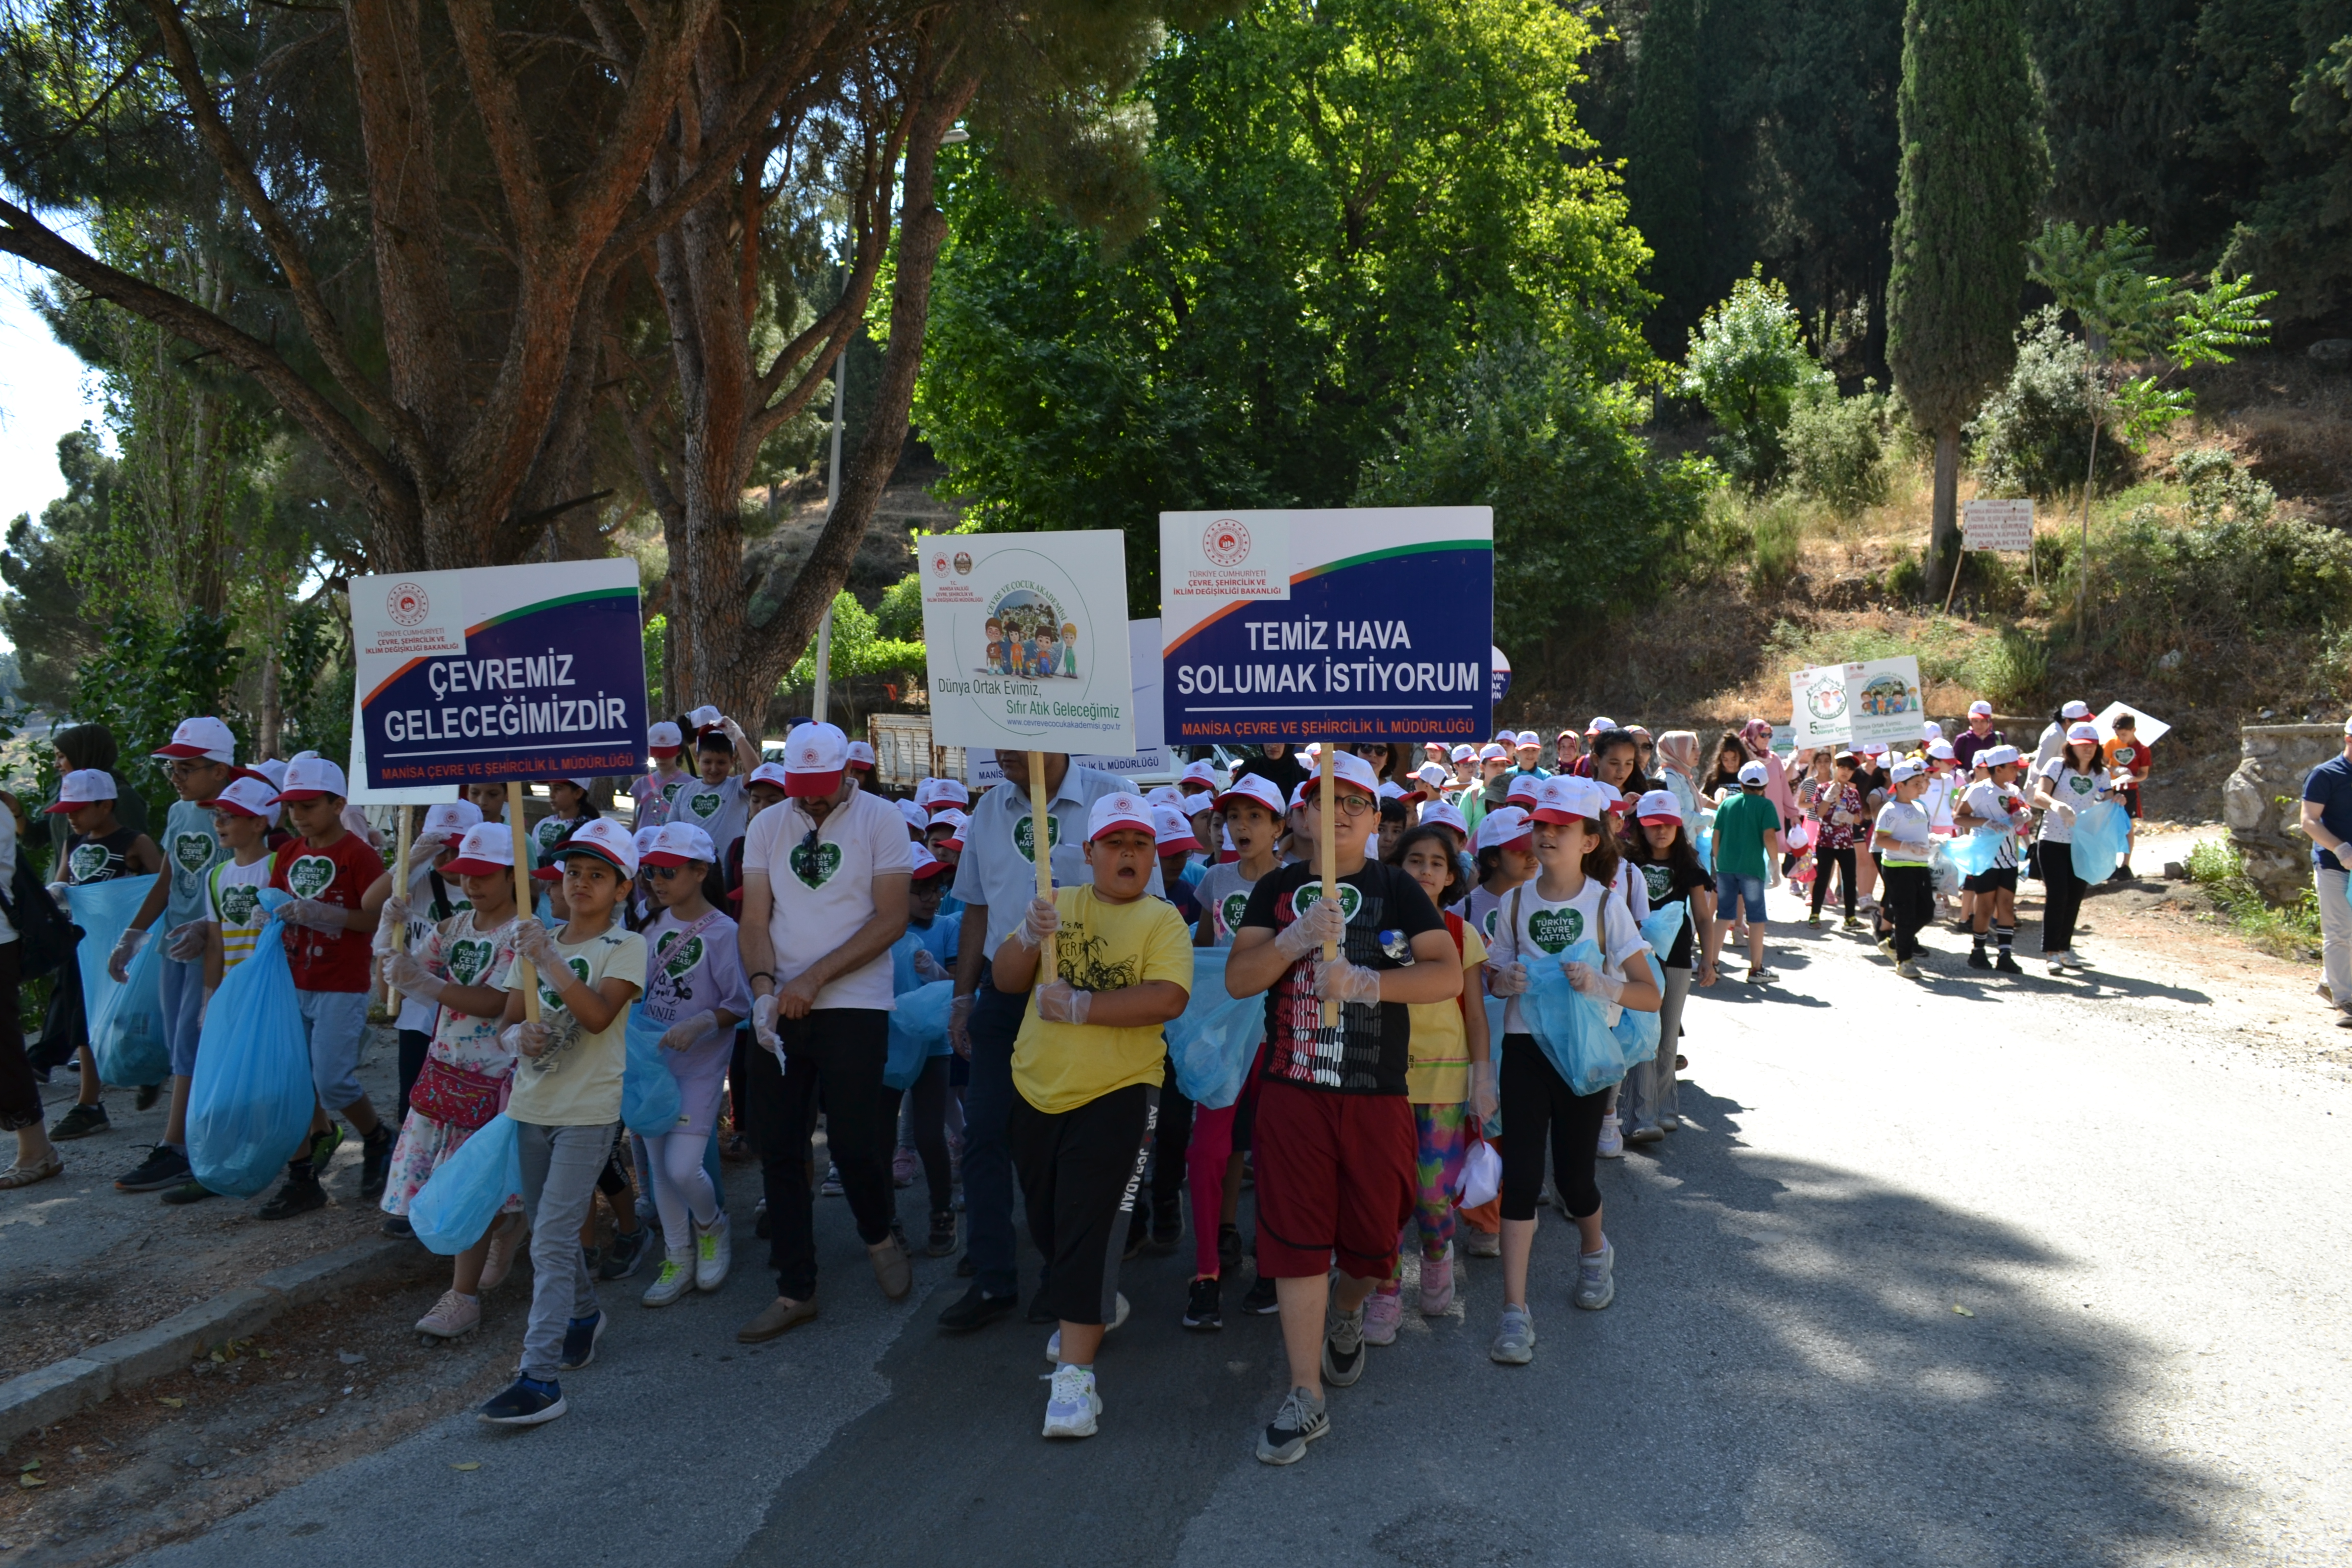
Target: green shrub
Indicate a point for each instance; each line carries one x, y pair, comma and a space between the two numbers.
2011, 669
2032, 436
2216, 869
1837, 446
2159, 581
1907, 578
1747, 363
2219, 488
1776, 541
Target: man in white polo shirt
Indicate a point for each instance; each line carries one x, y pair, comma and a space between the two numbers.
995, 878
826, 875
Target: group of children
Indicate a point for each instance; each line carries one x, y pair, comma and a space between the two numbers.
1461, 873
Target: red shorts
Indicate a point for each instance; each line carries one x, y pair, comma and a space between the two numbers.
1335, 1177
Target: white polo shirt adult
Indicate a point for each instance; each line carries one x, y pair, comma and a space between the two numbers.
997, 869
822, 876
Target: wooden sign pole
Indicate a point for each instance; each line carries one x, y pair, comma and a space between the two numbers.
522, 893
1041, 842
1327, 856
399, 890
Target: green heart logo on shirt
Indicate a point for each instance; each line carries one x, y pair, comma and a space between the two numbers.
1491, 925
1351, 899
1231, 910
238, 901
87, 862
470, 959
191, 852
1025, 836
548, 831
1660, 880
2079, 785
550, 1000
309, 876
705, 803
1555, 930
815, 864
689, 953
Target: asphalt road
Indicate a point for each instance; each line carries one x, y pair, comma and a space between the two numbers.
2141, 1207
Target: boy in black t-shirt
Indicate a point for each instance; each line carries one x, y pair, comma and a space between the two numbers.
1335, 1144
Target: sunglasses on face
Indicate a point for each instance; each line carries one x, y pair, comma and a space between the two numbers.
663, 873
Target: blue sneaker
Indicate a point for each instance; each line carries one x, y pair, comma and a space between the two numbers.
580, 1339
525, 1404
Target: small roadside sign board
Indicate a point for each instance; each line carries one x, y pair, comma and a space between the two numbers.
497, 675
1026, 638
1997, 525
1359, 622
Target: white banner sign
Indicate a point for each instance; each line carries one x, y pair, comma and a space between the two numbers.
1024, 637
2147, 726
1997, 525
1856, 704
1152, 759
1817, 699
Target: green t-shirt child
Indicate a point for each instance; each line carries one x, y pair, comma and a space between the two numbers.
1741, 825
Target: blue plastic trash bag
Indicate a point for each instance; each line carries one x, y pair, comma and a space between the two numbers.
125, 1021
1216, 1037
1637, 1032
1571, 1027
1664, 924
1943, 871
1975, 852
650, 1106
1705, 847
918, 1024
2102, 835
455, 1207
249, 1103
1495, 1015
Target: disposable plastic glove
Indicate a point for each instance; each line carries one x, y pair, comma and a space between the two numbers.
404, 974
2065, 810
126, 948
960, 1024
1063, 1003
61, 894
1510, 980
535, 947
1483, 1103
1601, 987
390, 922
764, 1024
1323, 921
1042, 922
527, 1039
316, 913
928, 968
1340, 981
185, 942
687, 1030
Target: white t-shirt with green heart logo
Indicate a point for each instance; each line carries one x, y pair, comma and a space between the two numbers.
822, 880
2081, 791
461, 952
1535, 929
1224, 893
190, 852
695, 966
721, 810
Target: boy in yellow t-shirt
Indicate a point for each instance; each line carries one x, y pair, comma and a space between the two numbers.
1086, 1067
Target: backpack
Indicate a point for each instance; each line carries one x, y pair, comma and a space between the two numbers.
44, 938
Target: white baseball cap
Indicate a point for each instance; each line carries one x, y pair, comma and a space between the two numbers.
706, 718
1299, 794
1658, 806
772, 774
1347, 768
914, 815
643, 838
1941, 751
663, 740
2002, 756
309, 777
946, 793
1434, 776
1979, 706
1905, 772
1465, 752
1527, 738
1202, 773
2076, 709
1503, 828
1252, 786
1565, 797
1599, 724
1492, 752
1115, 812
1439, 814
451, 818
1933, 730
606, 840
815, 758
273, 770
925, 863
1163, 795
201, 738
1522, 788
83, 786
861, 756
951, 817
486, 851
1752, 774
244, 797
675, 843
2082, 733
1391, 790
1169, 826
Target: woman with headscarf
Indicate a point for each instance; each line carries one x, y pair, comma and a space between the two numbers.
1677, 755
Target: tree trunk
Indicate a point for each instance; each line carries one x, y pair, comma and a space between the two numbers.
1944, 533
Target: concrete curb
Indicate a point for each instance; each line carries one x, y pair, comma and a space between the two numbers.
64, 1388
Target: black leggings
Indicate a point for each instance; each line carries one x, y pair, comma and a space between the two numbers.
1908, 897
1534, 1097
2061, 897
1169, 1141
931, 1127
1844, 860
414, 1044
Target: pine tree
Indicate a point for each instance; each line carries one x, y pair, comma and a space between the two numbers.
1974, 169
1662, 174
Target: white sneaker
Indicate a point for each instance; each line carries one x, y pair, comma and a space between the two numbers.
1612, 1140
676, 1279
2072, 960
1596, 1283
1054, 1345
714, 1253
1072, 1407
1515, 1340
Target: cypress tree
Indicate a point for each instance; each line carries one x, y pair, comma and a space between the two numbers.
1974, 169
1662, 173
